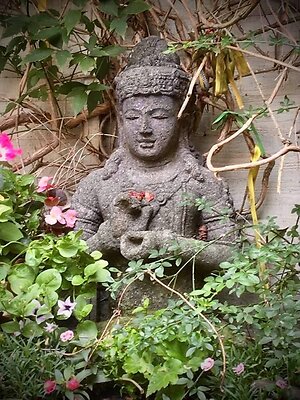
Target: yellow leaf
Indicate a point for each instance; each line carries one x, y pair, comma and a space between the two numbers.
221, 85
42, 5
240, 62
230, 66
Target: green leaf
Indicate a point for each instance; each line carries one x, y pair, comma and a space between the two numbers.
4, 209
71, 19
87, 64
9, 232
119, 25
96, 255
37, 55
94, 97
47, 33
50, 278
164, 375
15, 25
10, 327
78, 101
62, 56
109, 7
102, 67
87, 331
136, 7
4, 269
21, 277
91, 269
32, 329
59, 377
80, 3
77, 280
111, 51
67, 87
67, 250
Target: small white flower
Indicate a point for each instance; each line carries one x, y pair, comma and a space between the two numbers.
66, 307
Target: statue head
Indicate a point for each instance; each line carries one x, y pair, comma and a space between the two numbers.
150, 91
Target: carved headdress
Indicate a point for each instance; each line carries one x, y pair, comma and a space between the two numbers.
151, 71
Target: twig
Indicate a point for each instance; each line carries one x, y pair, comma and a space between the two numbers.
234, 167
191, 87
270, 59
234, 20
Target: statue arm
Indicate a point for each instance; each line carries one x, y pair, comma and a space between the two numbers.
208, 254
95, 231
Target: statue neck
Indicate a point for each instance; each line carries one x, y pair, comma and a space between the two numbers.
153, 172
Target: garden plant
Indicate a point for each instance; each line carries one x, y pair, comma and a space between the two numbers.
237, 337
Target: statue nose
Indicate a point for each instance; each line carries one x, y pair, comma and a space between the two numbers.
145, 127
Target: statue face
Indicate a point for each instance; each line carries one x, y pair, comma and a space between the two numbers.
150, 126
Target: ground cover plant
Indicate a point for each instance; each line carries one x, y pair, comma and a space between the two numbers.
201, 346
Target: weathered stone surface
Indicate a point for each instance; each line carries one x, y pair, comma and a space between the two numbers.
144, 197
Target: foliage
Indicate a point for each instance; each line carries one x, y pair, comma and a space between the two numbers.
25, 365
47, 37
20, 211
162, 352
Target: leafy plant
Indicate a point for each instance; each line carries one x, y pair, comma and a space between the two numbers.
25, 365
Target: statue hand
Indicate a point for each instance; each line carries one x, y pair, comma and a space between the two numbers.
129, 213
138, 244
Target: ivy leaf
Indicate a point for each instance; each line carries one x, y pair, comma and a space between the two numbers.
62, 56
46, 33
102, 67
71, 19
86, 64
119, 25
37, 55
109, 7
78, 101
137, 6
111, 51
93, 99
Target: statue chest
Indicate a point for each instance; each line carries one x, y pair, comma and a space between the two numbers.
172, 204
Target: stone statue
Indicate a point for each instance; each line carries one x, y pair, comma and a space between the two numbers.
144, 198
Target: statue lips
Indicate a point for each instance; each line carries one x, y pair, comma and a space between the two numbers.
147, 143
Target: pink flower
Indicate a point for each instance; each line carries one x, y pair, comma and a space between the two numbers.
56, 215
49, 386
66, 307
50, 327
70, 216
72, 384
7, 150
281, 383
207, 364
239, 369
66, 336
43, 184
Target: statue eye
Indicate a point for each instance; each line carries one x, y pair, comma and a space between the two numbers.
160, 116
131, 116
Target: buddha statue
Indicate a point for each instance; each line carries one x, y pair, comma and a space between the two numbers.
145, 197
